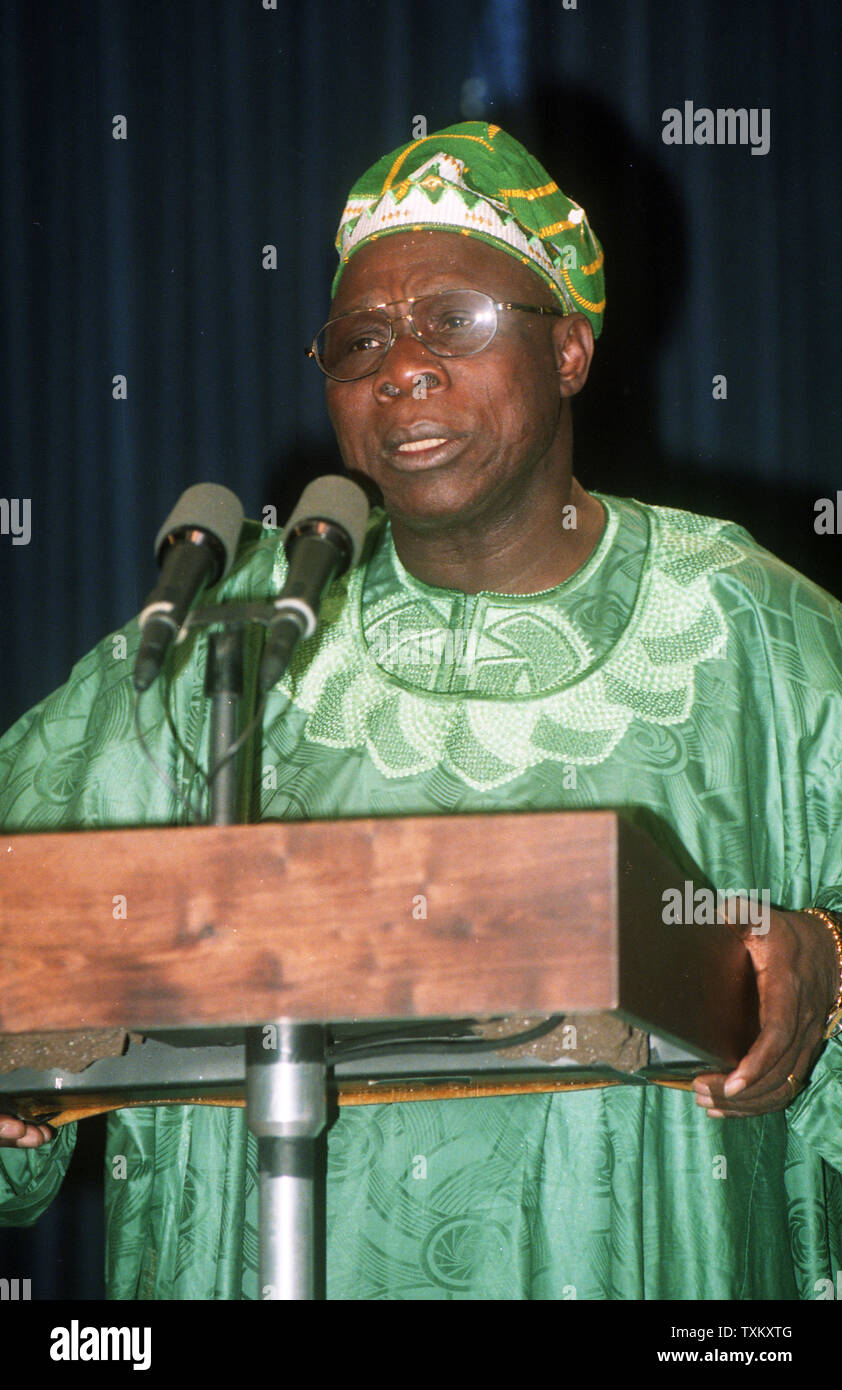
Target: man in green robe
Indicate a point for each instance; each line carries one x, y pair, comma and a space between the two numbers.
507, 641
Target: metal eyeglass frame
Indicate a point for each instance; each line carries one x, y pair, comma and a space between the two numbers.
398, 318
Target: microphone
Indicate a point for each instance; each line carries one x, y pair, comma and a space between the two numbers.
322, 539
194, 547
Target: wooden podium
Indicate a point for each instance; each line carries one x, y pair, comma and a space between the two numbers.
351, 921
431, 917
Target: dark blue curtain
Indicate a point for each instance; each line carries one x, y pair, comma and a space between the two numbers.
245, 124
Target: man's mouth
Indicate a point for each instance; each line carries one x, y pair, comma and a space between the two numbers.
423, 447
422, 444
417, 446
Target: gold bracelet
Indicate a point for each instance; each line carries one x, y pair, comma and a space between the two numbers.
831, 921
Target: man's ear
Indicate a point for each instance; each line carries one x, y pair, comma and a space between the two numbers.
574, 345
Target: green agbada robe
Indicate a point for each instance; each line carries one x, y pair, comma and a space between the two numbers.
684, 675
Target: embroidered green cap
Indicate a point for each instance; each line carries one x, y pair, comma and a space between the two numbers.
475, 179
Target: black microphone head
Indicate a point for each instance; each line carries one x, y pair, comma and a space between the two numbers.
337, 500
206, 507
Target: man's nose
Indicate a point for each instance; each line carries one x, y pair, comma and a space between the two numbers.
409, 367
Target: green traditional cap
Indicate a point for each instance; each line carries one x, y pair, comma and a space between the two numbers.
475, 179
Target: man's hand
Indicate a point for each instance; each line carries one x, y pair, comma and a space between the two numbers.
17, 1134
797, 981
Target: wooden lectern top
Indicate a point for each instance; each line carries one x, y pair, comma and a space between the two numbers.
429, 917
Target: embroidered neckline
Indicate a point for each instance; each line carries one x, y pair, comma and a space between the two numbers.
556, 698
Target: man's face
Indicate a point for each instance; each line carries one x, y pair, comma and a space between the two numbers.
499, 412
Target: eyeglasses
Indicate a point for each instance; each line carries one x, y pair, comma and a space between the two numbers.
452, 323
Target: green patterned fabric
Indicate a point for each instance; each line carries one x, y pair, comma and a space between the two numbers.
516, 679
682, 674
475, 179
